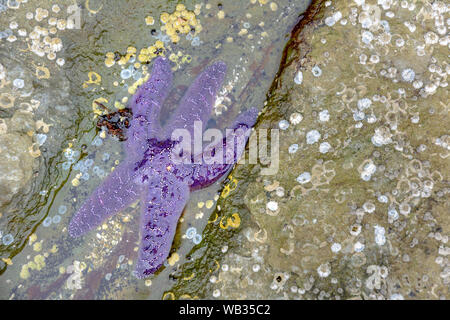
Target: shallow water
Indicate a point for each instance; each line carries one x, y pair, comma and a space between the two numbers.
56, 60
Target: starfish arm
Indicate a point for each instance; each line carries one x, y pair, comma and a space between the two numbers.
198, 101
146, 106
204, 174
161, 206
116, 192
246, 119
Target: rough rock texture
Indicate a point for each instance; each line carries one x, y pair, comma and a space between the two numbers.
63, 87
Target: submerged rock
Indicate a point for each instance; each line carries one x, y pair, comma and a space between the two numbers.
74, 68
16, 161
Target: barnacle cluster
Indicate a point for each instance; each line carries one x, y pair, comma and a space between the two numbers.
40, 33
181, 21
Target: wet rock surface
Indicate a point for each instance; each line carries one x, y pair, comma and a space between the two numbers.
359, 206
16, 162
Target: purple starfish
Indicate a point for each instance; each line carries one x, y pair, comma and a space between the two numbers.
152, 170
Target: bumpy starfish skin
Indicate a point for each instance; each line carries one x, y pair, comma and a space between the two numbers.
150, 171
